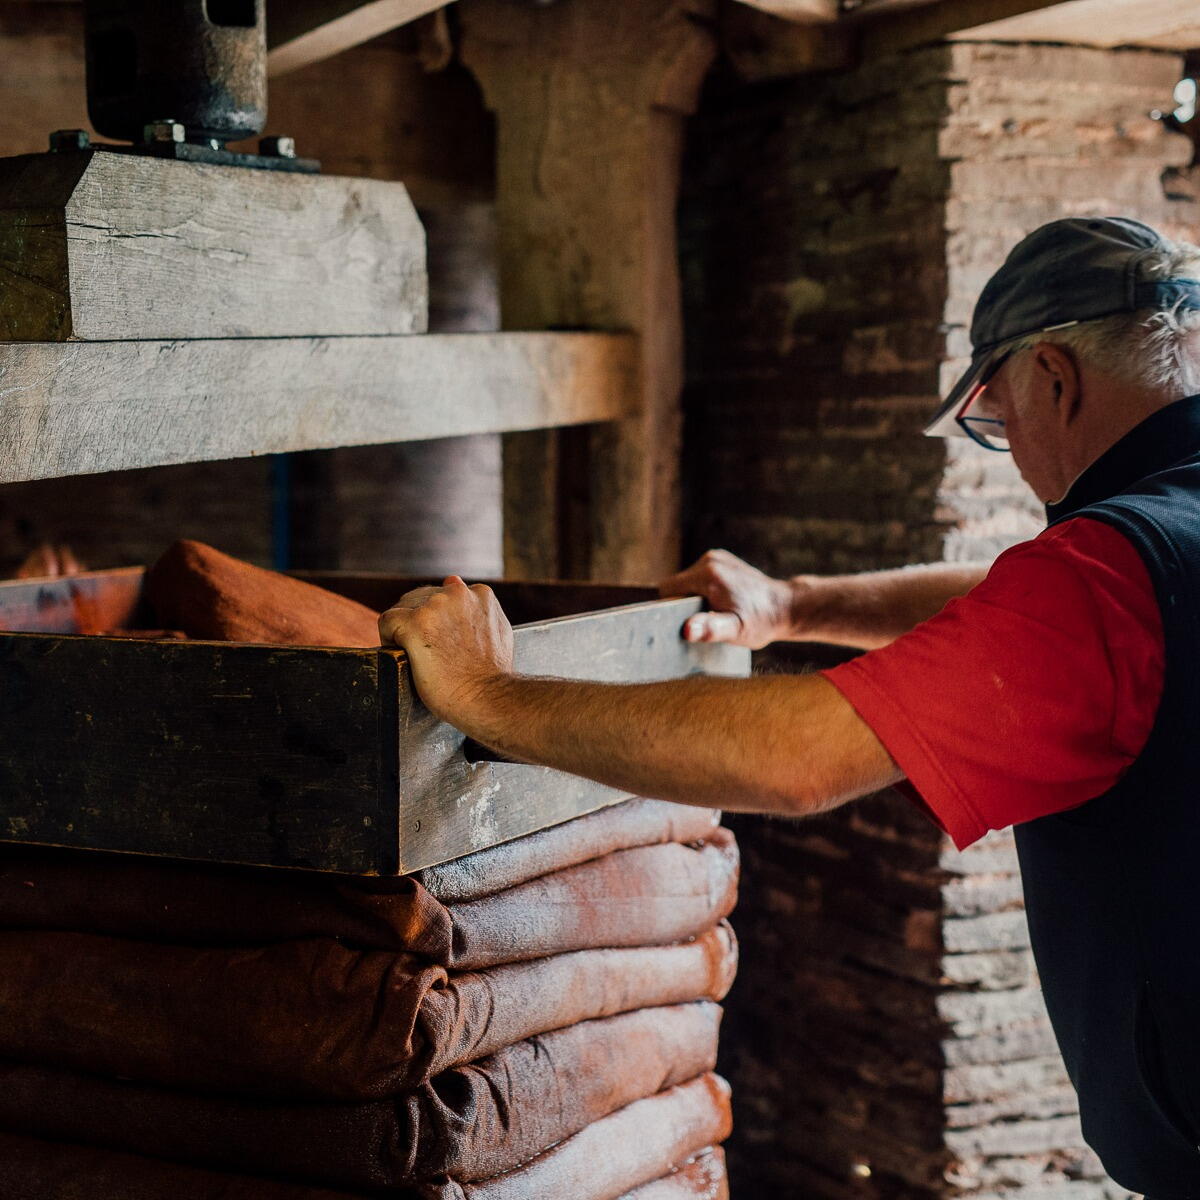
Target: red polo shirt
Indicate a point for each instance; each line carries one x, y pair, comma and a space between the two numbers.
1028, 696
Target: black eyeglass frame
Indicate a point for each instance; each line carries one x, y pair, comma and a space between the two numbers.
964, 422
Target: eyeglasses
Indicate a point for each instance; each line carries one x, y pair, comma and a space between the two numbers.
979, 415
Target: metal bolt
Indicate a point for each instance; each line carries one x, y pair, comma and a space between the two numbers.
164, 131
69, 139
277, 147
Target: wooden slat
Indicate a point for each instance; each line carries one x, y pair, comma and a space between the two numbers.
300, 32
804, 11
77, 408
93, 602
1166, 24
455, 807
254, 754
288, 756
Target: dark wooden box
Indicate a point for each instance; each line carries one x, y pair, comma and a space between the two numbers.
289, 756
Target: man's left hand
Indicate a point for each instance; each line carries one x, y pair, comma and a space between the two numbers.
459, 643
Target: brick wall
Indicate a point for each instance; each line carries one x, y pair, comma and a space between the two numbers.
887, 1038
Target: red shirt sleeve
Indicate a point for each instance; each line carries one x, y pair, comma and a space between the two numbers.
1028, 696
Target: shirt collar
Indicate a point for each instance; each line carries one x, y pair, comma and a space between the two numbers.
1163, 439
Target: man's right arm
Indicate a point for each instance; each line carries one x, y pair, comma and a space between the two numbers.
865, 611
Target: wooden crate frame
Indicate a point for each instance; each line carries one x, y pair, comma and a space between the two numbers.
314, 758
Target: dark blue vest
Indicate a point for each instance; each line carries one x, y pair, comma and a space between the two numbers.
1113, 887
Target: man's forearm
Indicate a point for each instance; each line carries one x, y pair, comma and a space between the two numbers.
774, 745
873, 609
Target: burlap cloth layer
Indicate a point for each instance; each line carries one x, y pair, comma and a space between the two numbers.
703, 1178
470, 1123
312, 1020
619, 1153
622, 826
647, 896
610, 1159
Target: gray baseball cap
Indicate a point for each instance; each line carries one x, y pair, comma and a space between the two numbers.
1067, 272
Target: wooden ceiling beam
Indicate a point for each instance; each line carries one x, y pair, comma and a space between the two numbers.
805, 12
1166, 24
762, 46
300, 32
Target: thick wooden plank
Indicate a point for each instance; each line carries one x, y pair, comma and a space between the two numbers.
197, 750
454, 807
98, 246
91, 603
76, 408
300, 32
762, 45
285, 756
885, 31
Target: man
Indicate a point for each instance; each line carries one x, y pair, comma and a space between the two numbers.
1058, 692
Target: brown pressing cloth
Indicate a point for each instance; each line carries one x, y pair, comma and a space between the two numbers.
470, 1123
649, 896
620, 827
637, 1145
37, 1170
603, 1162
209, 595
312, 1019
703, 1178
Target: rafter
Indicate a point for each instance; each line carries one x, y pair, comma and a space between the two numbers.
300, 32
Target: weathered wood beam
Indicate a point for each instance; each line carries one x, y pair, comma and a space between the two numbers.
96, 246
1166, 24
590, 100
300, 32
75, 408
761, 45
805, 11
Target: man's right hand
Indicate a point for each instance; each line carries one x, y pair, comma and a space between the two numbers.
748, 608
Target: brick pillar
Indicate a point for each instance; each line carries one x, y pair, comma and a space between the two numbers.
887, 1037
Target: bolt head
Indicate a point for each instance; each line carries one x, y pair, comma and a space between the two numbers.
69, 139
277, 147
164, 131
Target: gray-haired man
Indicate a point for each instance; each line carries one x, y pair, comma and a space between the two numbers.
1058, 691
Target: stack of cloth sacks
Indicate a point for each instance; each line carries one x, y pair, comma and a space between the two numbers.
536, 1020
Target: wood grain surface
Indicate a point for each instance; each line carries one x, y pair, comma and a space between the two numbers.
97, 246
78, 408
323, 759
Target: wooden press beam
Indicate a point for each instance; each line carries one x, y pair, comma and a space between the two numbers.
75, 408
804, 11
300, 32
590, 98
762, 46
1169, 24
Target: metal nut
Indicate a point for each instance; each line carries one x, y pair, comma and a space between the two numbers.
277, 147
164, 131
69, 139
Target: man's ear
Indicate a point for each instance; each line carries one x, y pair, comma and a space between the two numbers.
1056, 372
